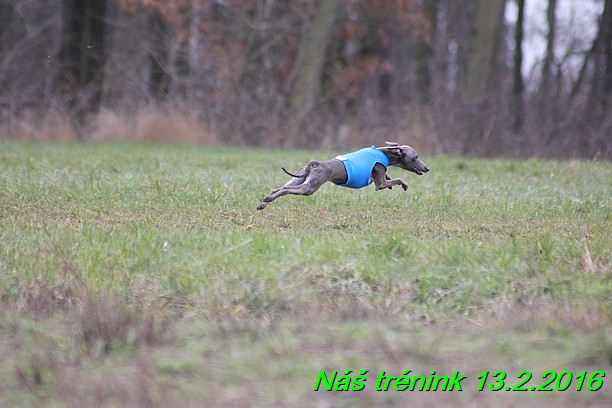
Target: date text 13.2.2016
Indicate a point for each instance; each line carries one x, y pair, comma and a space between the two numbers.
548, 381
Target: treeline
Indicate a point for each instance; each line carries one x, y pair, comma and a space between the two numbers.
446, 76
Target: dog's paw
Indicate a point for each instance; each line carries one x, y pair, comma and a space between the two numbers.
405, 187
261, 206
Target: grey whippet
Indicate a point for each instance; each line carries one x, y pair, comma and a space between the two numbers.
354, 170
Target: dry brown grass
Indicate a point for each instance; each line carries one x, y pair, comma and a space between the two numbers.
413, 126
51, 125
153, 125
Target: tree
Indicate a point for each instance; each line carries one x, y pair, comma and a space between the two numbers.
481, 68
518, 86
311, 72
481, 74
425, 51
601, 88
547, 67
83, 54
311, 61
591, 95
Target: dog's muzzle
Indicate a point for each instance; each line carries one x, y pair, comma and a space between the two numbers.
420, 172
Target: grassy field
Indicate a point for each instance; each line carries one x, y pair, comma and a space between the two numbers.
142, 275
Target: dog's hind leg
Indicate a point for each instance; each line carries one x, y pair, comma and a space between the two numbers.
316, 176
307, 188
296, 180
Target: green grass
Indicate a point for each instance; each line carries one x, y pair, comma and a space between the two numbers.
146, 273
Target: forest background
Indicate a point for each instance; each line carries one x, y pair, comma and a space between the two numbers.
461, 77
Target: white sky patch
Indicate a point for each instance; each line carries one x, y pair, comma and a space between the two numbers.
577, 23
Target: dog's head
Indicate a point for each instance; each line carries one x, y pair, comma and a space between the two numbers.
405, 157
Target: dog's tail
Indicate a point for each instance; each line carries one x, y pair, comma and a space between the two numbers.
300, 175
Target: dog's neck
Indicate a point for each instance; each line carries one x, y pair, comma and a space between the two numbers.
391, 155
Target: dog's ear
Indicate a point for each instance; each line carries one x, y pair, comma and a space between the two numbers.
398, 151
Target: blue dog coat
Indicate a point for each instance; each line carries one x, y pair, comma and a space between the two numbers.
359, 166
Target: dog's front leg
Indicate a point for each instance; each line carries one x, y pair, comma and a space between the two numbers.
382, 180
390, 183
398, 182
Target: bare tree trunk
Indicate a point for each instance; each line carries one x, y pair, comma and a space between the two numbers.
482, 68
159, 80
83, 55
587, 126
606, 24
518, 86
597, 109
547, 73
482, 56
424, 53
601, 90
6, 14
127, 68
308, 80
